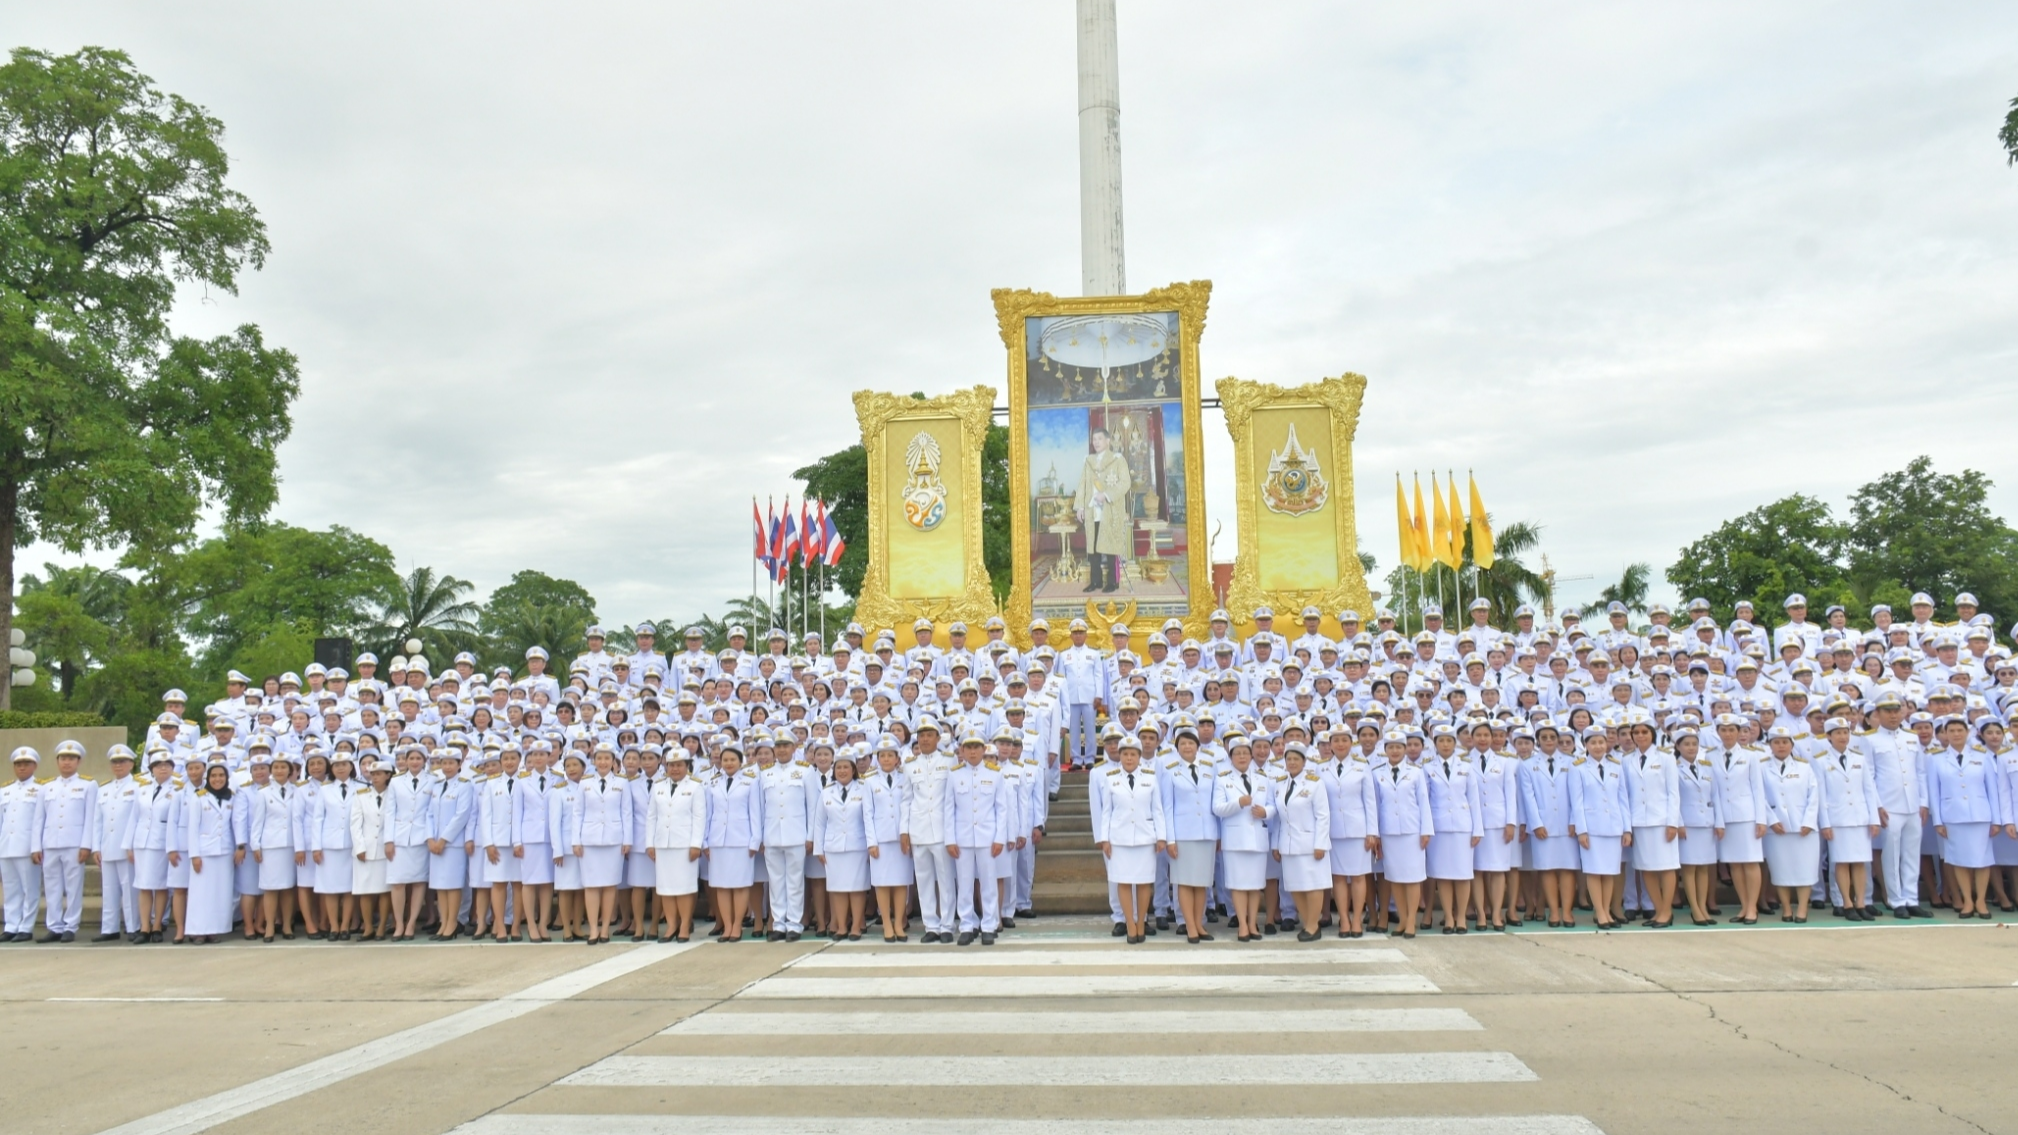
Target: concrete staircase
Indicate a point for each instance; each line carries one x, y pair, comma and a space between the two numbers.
1071, 874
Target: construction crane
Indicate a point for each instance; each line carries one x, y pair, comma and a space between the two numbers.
1549, 581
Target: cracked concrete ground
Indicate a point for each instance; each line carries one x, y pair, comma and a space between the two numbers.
1885, 1028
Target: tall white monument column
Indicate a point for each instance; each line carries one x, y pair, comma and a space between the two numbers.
1100, 260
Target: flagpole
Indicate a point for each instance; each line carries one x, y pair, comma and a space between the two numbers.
753, 559
771, 577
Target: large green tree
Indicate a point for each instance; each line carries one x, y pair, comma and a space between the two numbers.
1926, 531
431, 606
2009, 135
535, 609
257, 592
114, 430
1793, 544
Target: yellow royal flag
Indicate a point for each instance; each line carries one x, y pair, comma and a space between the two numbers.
1404, 533
1481, 528
1439, 532
1420, 527
1456, 529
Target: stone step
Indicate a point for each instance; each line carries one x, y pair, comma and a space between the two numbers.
1069, 898
1071, 866
1056, 839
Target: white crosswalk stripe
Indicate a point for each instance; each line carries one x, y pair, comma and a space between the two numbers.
1066, 1071
880, 1125
1132, 959
786, 987
721, 1023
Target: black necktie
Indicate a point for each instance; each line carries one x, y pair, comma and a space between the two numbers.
157, 792
1194, 773
1131, 781
890, 778
844, 794
1446, 768
1245, 784
604, 785
508, 786
1643, 760
1552, 765
1397, 773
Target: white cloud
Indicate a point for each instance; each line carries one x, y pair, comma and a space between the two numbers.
570, 285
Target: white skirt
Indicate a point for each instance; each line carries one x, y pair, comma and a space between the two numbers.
1494, 853
536, 866
505, 870
1246, 870
1851, 844
732, 867
1134, 865
639, 870
1450, 855
276, 868
1194, 863
333, 874
1349, 857
150, 869
1653, 851
1603, 857
847, 871
891, 867
1302, 873
568, 873
368, 877
247, 876
1402, 858
1556, 853
304, 872
674, 873
1794, 860
1741, 844
1699, 847
449, 870
2003, 846
210, 892
1967, 845
178, 874
602, 866
408, 865
814, 868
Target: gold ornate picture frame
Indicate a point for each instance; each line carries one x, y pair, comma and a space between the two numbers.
924, 458
1299, 542
1131, 547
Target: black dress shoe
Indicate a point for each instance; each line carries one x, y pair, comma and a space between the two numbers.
1268, 928
1308, 936
1920, 911
793, 935
930, 937
1120, 930
70, 935
107, 938
966, 938
1163, 922
775, 936
987, 938
1008, 924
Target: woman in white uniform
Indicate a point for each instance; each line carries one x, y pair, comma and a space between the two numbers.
1849, 814
306, 803
1793, 843
272, 844
842, 839
1302, 837
1740, 771
1702, 823
1245, 804
645, 767
564, 839
154, 810
679, 837
1355, 829
367, 842
1498, 851
1127, 828
1964, 800
735, 839
1545, 808
449, 842
538, 797
603, 836
1454, 802
891, 871
193, 775
1406, 824
330, 848
1600, 818
211, 839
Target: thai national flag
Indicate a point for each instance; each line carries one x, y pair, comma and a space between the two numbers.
789, 546
812, 539
830, 536
777, 537
763, 541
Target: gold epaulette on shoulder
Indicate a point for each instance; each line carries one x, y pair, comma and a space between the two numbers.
993, 765
87, 780
1579, 760
1312, 776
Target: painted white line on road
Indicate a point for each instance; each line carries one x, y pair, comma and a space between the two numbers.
1055, 1071
134, 1000
1133, 959
1084, 985
208, 1112
825, 1125
1054, 1024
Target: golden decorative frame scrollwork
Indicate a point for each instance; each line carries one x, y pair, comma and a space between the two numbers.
1013, 308
974, 408
1341, 397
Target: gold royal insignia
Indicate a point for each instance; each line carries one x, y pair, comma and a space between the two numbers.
1295, 485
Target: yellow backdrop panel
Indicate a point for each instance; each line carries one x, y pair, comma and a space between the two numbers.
1298, 553
925, 565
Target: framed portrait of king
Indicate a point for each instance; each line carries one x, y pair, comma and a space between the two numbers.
1105, 458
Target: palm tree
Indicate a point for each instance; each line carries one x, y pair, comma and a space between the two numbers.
1507, 584
1631, 589
520, 626
432, 608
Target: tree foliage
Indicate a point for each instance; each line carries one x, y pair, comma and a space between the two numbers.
535, 609
1507, 584
237, 589
113, 430
1911, 530
1631, 589
2009, 135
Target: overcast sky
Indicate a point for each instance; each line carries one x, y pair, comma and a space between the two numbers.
569, 283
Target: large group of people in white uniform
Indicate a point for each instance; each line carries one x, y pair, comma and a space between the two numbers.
1387, 781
